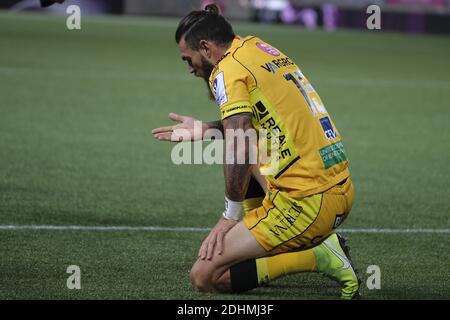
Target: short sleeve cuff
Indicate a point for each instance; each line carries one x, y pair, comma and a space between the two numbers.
235, 108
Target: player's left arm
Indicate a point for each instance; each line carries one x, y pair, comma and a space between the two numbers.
187, 129
237, 178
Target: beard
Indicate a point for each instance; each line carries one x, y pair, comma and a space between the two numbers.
207, 68
210, 94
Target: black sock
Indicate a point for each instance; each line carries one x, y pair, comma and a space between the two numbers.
243, 276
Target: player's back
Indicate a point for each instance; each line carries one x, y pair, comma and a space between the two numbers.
256, 77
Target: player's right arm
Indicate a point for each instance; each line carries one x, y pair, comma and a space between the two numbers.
187, 129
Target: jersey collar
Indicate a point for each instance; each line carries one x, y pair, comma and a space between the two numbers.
236, 42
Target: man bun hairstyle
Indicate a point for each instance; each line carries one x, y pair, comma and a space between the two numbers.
206, 24
212, 8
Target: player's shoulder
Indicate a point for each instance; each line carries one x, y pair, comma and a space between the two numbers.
250, 53
252, 48
242, 49
245, 44
235, 62
230, 61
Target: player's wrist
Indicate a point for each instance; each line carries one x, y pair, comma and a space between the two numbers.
214, 125
205, 127
234, 210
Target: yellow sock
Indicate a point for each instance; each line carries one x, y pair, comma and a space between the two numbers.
271, 268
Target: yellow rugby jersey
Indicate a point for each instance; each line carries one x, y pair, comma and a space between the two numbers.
255, 77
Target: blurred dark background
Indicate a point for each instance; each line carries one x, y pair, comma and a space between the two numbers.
414, 16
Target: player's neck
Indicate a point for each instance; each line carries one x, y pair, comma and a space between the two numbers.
220, 52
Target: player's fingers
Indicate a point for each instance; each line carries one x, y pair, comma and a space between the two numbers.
176, 117
220, 238
202, 250
162, 129
181, 134
168, 136
211, 245
163, 136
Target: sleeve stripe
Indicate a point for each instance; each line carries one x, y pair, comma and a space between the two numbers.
235, 108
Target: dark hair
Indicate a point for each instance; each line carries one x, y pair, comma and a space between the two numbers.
205, 24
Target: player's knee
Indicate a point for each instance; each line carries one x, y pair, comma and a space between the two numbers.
201, 278
222, 283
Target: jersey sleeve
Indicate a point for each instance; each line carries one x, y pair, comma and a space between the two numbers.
230, 88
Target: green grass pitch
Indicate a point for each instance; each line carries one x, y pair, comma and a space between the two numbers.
76, 112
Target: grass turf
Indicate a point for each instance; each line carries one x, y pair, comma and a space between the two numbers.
77, 108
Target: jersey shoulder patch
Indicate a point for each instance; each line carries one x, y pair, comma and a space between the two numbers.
219, 90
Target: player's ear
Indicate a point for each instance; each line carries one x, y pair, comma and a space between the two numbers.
205, 47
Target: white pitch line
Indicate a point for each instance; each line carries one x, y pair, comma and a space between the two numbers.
191, 229
100, 228
394, 231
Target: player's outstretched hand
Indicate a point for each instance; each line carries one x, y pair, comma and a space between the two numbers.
187, 129
214, 241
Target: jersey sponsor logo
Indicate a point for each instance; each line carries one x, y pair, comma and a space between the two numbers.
274, 65
285, 216
333, 154
268, 49
260, 111
233, 109
345, 262
219, 91
270, 67
328, 129
285, 222
267, 122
